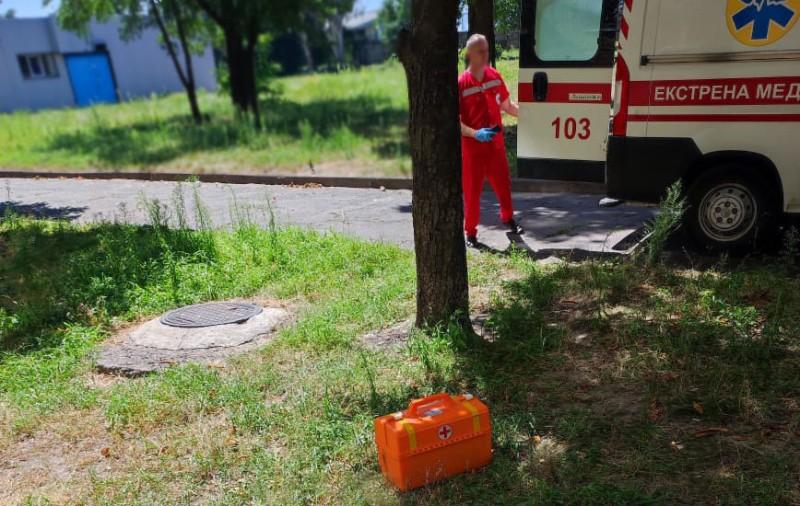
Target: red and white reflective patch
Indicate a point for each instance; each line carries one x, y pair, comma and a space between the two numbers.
445, 432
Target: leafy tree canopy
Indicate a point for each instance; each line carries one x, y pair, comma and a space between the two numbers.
136, 15
506, 15
394, 16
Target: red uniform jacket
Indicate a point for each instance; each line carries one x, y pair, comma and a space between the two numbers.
479, 103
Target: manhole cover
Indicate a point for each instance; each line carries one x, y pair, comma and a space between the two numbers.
210, 314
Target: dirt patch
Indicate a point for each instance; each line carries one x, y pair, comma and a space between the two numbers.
396, 336
390, 338
7, 413
102, 380
63, 460
57, 461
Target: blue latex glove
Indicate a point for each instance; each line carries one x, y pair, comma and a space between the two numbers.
485, 135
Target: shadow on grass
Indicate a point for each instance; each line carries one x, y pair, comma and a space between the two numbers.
53, 274
510, 370
611, 361
159, 141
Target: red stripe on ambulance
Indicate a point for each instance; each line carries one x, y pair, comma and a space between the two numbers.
717, 118
619, 122
624, 28
570, 93
736, 91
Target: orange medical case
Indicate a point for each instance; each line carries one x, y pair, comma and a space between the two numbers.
435, 438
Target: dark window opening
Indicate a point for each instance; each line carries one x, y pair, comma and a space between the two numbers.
23, 66
37, 66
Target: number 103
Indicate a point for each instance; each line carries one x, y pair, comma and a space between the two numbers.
571, 128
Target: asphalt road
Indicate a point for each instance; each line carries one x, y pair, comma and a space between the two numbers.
553, 222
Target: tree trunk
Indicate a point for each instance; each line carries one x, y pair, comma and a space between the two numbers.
240, 51
429, 54
250, 76
237, 69
186, 78
190, 84
481, 20
306, 48
191, 94
336, 33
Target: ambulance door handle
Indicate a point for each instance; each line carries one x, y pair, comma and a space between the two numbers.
540, 86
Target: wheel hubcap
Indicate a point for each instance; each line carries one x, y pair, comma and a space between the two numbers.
728, 212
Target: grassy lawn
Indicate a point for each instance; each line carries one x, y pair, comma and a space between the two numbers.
350, 123
609, 382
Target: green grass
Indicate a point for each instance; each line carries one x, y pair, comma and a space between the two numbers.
347, 123
601, 377
64, 287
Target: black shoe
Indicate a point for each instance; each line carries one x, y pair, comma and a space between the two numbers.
514, 228
472, 242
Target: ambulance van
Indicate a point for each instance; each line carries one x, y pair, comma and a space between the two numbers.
642, 93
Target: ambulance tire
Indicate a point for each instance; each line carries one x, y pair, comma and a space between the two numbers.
728, 209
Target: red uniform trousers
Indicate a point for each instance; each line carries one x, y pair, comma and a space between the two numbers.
479, 163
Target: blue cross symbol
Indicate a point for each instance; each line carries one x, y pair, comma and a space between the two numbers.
761, 13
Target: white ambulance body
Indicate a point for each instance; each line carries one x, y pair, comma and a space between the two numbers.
702, 91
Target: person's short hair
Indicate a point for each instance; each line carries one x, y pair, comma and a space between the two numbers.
475, 39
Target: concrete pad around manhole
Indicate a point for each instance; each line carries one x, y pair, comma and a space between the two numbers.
155, 334
153, 346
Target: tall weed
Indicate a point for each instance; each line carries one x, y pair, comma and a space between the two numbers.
672, 209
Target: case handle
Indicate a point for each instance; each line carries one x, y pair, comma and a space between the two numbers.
433, 400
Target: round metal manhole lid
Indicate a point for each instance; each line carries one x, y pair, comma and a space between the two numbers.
210, 314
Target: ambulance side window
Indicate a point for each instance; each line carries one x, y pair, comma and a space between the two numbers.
567, 30
568, 33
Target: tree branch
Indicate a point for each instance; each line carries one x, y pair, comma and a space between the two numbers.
187, 54
167, 41
216, 16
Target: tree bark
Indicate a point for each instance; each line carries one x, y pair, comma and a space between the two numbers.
429, 55
237, 67
250, 76
481, 20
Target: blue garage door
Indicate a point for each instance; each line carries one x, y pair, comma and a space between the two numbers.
91, 78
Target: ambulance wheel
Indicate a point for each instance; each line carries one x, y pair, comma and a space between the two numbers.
728, 209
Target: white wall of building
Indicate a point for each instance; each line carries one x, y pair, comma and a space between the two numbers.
141, 66
29, 36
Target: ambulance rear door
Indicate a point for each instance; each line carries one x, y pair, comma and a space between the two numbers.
566, 62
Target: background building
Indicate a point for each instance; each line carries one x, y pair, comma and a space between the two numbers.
364, 37
44, 66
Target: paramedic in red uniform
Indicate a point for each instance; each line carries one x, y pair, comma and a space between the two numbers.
483, 97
